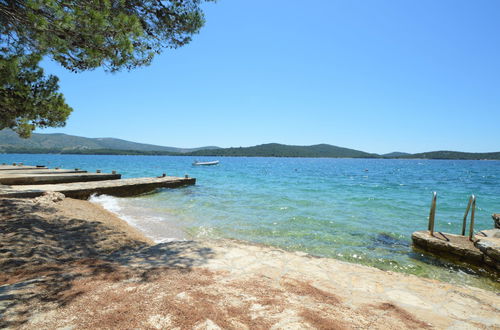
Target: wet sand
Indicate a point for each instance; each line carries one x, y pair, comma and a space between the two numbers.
70, 263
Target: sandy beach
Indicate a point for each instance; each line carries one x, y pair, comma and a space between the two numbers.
69, 263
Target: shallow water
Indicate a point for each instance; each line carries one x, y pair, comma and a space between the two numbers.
358, 210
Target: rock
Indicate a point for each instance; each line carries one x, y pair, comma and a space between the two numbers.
491, 262
49, 197
207, 325
496, 220
490, 246
457, 246
488, 233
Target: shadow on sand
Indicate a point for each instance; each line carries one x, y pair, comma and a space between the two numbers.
42, 254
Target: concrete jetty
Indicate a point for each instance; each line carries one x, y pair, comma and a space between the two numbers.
459, 248
83, 190
41, 171
25, 179
20, 167
481, 249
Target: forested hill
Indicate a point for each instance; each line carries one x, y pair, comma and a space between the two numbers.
454, 155
70, 144
282, 150
395, 154
329, 151
11, 142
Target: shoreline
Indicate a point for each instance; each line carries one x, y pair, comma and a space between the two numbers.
169, 230
247, 156
60, 256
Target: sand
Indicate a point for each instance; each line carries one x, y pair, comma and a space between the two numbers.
71, 264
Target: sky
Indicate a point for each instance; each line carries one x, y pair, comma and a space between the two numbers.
377, 76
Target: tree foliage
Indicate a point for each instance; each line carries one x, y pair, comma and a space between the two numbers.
28, 99
80, 35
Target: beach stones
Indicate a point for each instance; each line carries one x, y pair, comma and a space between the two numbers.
49, 197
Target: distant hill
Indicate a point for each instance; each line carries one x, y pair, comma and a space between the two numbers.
70, 144
329, 151
395, 154
454, 155
282, 150
10, 142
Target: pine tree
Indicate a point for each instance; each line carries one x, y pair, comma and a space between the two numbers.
80, 35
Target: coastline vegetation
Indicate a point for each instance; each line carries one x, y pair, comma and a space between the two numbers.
258, 151
58, 143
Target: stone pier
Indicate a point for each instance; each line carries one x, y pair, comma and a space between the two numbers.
483, 250
21, 181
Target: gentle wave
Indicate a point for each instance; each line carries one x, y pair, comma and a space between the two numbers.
153, 225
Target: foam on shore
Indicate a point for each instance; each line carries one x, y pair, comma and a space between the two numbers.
160, 228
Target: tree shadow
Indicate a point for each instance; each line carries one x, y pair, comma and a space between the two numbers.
43, 253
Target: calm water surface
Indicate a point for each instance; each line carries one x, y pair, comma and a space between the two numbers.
358, 210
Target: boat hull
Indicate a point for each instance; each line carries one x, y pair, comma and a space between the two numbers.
206, 163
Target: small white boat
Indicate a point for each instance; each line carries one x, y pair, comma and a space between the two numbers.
197, 163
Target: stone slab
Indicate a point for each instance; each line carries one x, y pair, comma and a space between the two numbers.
482, 251
26, 179
457, 246
20, 167
40, 171
488, 242
83, 190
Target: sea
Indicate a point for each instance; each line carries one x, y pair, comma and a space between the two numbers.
356, 210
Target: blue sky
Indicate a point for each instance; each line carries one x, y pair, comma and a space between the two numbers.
377, 76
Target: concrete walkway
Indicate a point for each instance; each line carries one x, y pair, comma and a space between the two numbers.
83, 190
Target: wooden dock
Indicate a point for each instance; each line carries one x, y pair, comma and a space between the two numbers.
20, 181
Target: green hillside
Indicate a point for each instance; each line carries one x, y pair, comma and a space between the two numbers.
38, 143
282, 150
454, 155
395, 154
70, 144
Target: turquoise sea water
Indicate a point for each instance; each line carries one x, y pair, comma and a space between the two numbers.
358, 210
